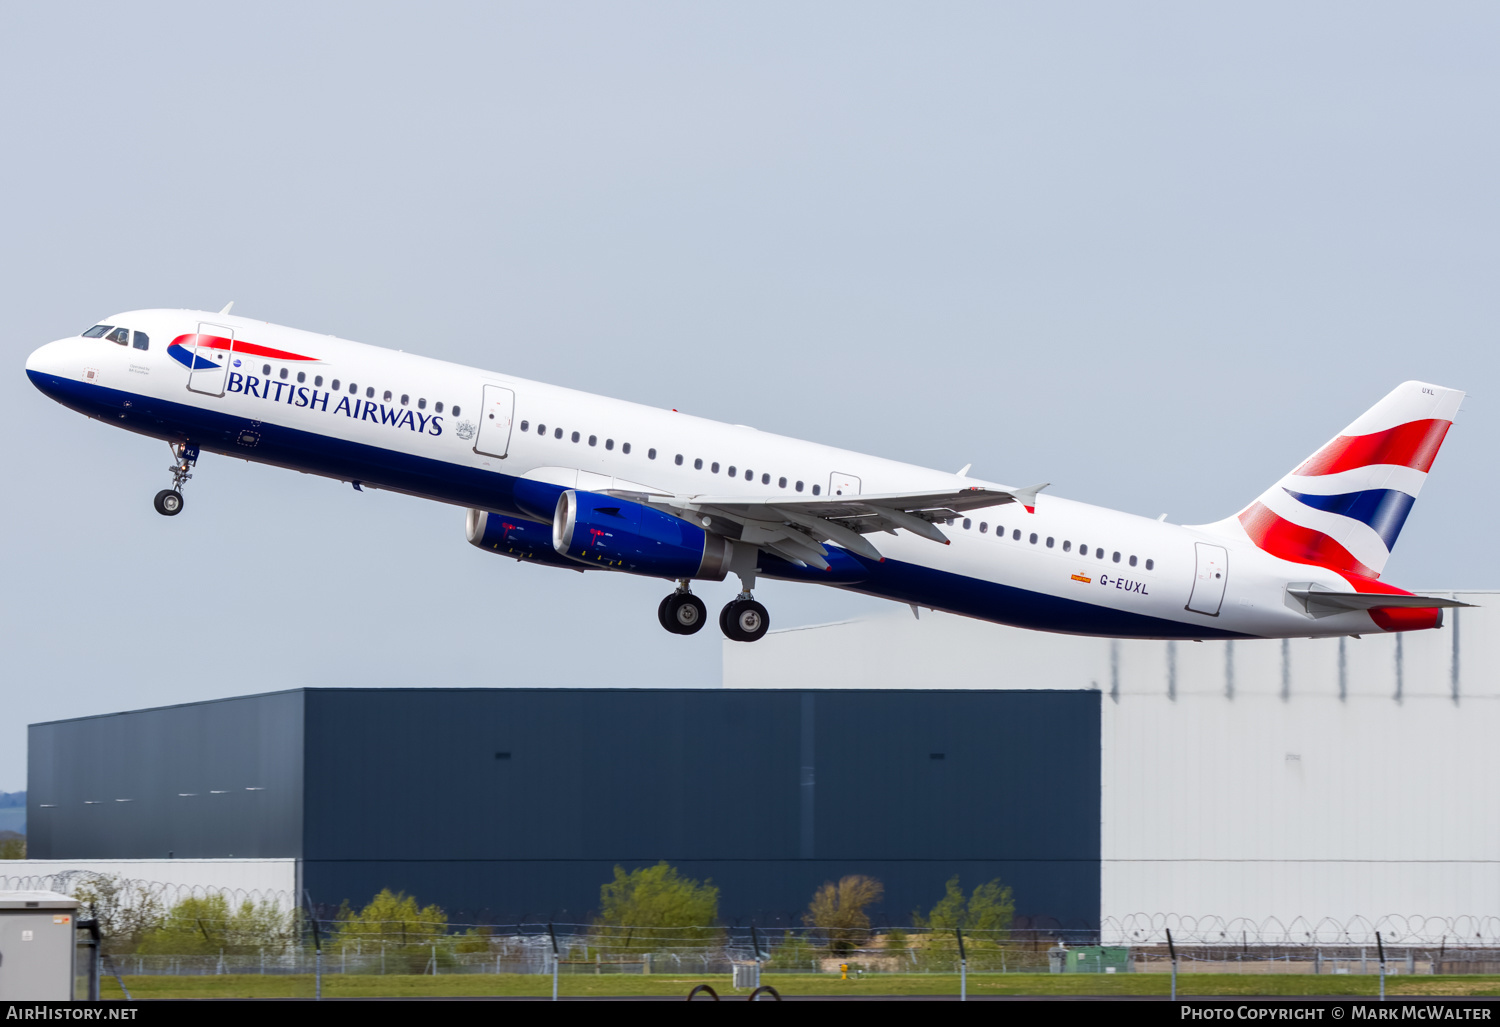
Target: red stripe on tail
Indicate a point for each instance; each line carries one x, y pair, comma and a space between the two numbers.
1414, 444
1281, 538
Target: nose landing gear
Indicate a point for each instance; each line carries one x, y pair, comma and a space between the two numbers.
682, 613
168, 502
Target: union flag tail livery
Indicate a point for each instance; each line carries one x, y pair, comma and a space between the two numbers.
559, 478
1343, 507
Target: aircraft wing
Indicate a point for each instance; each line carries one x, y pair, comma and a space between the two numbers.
795, 529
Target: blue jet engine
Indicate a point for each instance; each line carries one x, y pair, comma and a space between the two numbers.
605, 532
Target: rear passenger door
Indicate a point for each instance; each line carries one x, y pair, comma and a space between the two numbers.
1212, 576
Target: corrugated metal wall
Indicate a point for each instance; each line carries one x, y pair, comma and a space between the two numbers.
217, 778
769, 793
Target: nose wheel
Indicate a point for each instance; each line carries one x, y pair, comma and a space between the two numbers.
168, 502
744, 620
682, 613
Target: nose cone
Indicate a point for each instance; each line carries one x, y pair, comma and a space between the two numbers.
50, 359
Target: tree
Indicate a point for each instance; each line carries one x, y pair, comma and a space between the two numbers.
987, 912
653, 906
12, 845
208, 925
838, 910
391, 919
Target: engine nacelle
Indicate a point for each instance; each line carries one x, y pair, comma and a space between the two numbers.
512, 536
620, 535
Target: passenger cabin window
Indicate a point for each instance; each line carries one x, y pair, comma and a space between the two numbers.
1016, 534
353, 389
557, 433
799, 486
732, 471
265, 369
541, 429
318, 382
575, 436
713, 468
335, 385
437, 407
1050, 540
525, 425
1132, 561
422, 405
968, 524
749, 474
817, 489
678, 460
405, 399
1117, 558
386, 397
1067, 546
983, 527
698, 464
1150, 564
301, 377
625, 448
1033, 538
142, 341
97, 332
609, 443
455, 409
283, 374
120, 336
593, 440
370, 393
765, 479
650, 454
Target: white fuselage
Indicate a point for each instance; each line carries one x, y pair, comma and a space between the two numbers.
379, 435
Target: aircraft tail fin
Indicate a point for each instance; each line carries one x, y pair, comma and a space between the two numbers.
1343, 507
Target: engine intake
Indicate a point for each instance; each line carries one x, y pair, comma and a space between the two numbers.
602, 531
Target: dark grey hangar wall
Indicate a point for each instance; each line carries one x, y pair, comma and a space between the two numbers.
516, 804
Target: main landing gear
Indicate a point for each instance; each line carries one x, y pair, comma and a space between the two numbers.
741, 620
168, 502
682, 613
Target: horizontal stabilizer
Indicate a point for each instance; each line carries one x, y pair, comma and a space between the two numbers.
1321, 600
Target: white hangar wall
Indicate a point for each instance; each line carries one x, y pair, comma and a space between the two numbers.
1289, 789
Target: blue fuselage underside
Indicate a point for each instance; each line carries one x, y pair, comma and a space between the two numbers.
491, 490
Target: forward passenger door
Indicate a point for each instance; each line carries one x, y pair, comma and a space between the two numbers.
495, 421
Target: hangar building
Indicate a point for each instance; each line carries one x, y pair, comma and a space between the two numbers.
515, 805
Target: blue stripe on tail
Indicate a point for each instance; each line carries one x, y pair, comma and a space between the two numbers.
1384, 510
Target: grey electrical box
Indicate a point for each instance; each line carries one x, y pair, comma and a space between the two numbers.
36, 946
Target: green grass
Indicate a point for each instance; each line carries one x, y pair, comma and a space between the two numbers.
150, 986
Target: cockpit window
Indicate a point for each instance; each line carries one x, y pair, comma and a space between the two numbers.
142, 341
120, 336
96, 332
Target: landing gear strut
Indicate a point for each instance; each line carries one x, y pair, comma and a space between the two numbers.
168, 502
682, 613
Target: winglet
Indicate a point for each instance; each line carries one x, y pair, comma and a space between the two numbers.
1027, 496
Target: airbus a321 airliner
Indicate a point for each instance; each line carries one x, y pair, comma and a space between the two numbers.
567, 479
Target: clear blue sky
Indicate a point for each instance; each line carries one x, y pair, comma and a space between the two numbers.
1153, 253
